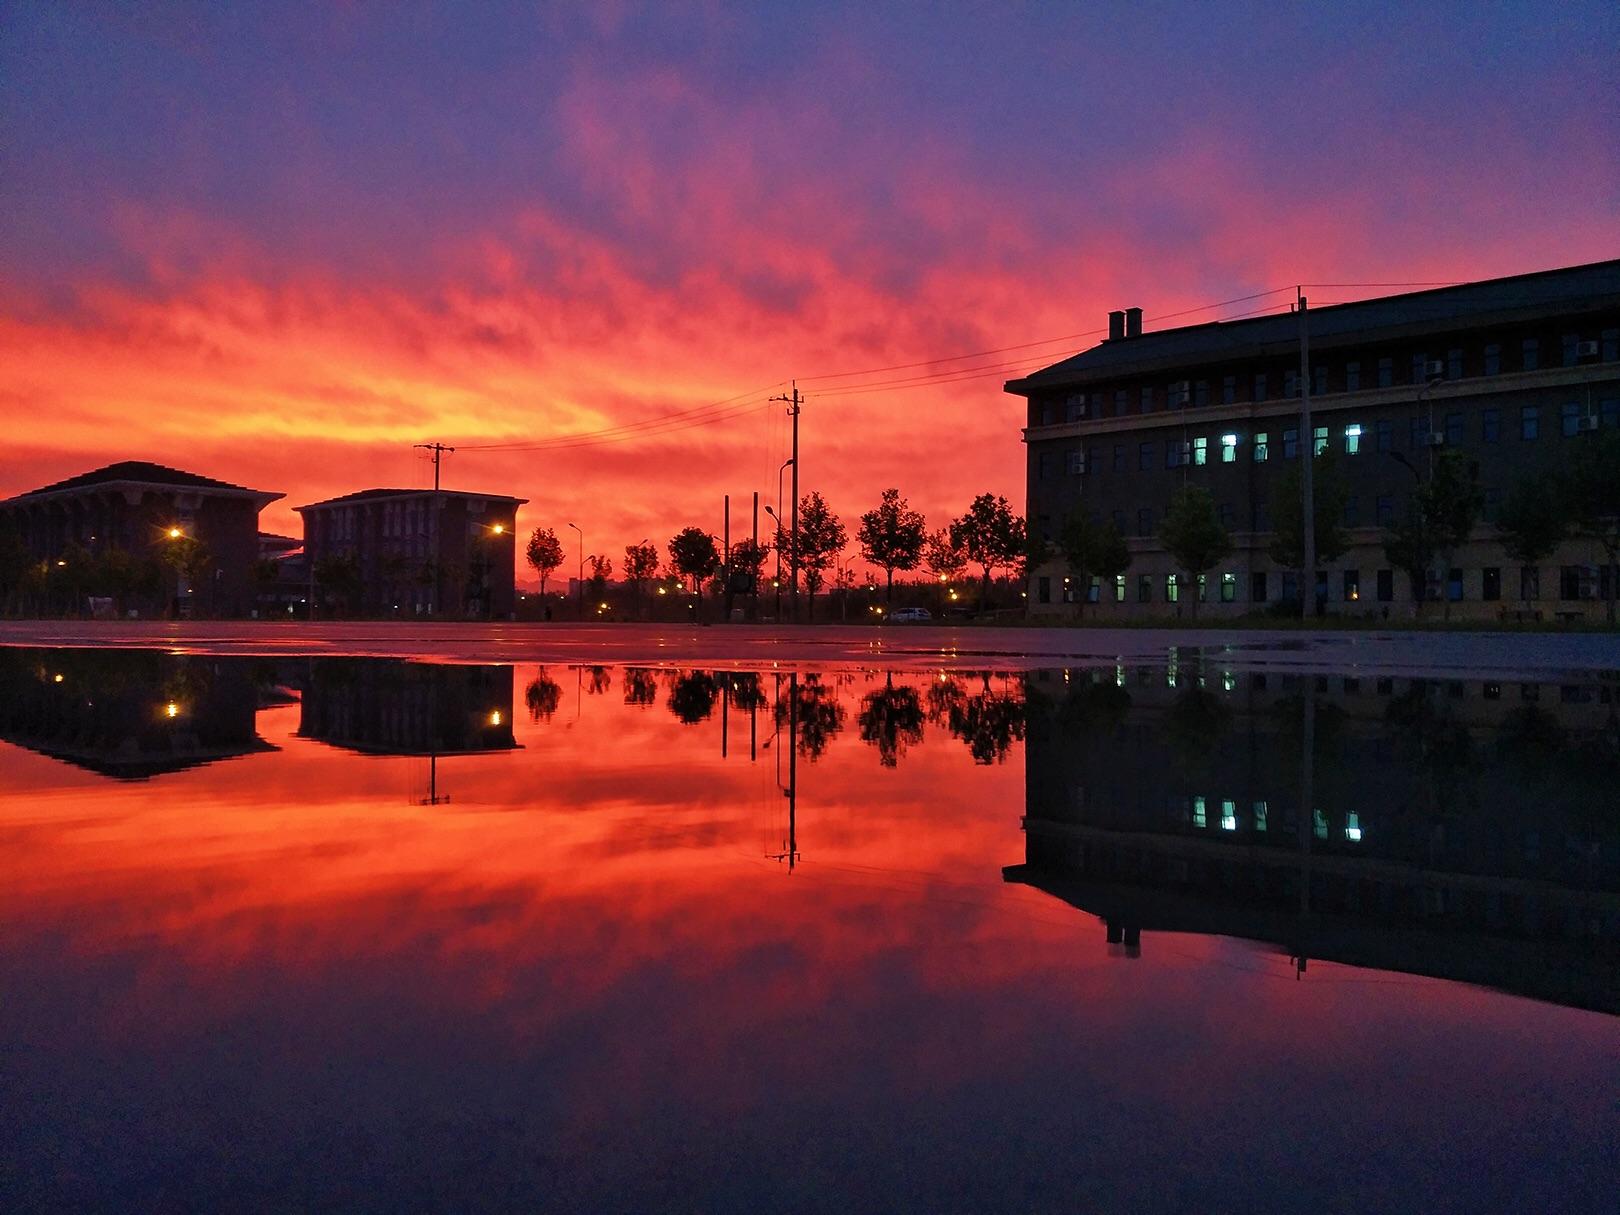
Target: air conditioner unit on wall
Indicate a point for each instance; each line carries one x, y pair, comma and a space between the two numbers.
1589, 422
1437, 438
1433, 368
1586, 350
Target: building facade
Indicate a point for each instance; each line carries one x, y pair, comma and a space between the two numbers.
410, 552
1514, 373
145, 512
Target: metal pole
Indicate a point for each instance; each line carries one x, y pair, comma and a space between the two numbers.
725, 565
581, 532
1307, 479
795, 551
755, 557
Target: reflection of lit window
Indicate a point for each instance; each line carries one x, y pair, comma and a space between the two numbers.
494, 717
171, 710
1320, 821
1259, 816
1228, 681
1352, 827
1199, 817
1228, 816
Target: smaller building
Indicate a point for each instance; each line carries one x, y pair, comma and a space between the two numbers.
141, 537
413, 552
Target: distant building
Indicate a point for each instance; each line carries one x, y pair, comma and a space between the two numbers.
414, 552
1515, 373
140, 509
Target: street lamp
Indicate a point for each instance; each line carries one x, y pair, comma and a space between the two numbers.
793, 537
777, 581
576, 527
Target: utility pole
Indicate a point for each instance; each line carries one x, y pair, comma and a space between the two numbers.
794, 402
438, 450
753, 616
1308, 455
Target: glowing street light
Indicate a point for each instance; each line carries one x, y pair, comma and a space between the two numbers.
175, 533
171, 710
499, 529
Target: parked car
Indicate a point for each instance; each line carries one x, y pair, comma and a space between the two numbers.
909, 615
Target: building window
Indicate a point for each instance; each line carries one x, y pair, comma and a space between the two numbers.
1454, 585
1043, 589
1144, 457
1228, 449
1319, 384
1530, 422
1048, 413
1094, 591
1228, 389
1352, 377
1172, 590
1570, 418
1260, 386
1144, 521
1201, 393
1420, 368
1490, 583
1047, 464
1352, 510
1175, 396
1386, 586
1290, 383
1175, 454
1291, 443
1454, 429
1118, 520
1610, 412
1077, 407
1490, 508
1610, 344
1386, 372
1120, 399
1223, 512
1119, 457
1530, 357
1352, 439
1569, 582
1493, 359
1119, 588
1290, 586
1529, 583
1147, 398
1144, 588
1257, 586
1572, 346
1260, 447
1077, 462
1385, 430
1490, 425
1454, 366
1319, 440
1228, 588
1352, 586
1200, 451
1262, 516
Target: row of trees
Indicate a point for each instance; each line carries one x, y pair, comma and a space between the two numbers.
27, 583
892, 537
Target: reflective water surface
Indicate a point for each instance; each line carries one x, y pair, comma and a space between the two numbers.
293, 933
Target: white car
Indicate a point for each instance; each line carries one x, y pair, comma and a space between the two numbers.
909, 615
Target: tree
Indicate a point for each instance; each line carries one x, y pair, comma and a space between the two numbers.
1450, 502
187, 556
544, 553
1092, 550
266, 573
1409, 547
15, 561
601, 571
1193, 535
892, 537
1593, 495
989, 535
339, 575
640, 568
542, 696
694, 555
821, 538
747, 562
1329, 493
1533, 521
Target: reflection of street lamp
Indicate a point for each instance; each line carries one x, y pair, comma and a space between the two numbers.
576, 527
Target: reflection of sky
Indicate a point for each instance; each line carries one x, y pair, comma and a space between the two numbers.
278, 979
354, 230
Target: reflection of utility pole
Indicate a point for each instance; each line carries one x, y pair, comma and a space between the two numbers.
433, 798
1307, 467
1307, 816
725, 714
790, 852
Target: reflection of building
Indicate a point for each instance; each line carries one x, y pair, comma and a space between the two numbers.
145, 510
129, 714
1514, 373
386, 707
415, 552
1452, 829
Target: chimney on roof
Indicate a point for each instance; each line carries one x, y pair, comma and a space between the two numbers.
1133, 322
1116, 326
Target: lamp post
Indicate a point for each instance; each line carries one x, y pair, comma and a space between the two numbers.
577, 529
790, 462
777, 581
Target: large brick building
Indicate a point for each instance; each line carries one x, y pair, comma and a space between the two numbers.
1512, 372
415, 552
141, 509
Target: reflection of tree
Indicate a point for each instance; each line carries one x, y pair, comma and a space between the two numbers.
542, 696
988, 721
820, 716
891, 719
597, 680
640, 687
1434, 743
693, 696
1195, 727
747, 692
1094, 708
1530, 737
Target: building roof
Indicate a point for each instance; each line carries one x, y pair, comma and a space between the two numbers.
1489, 301
142, 474
373, 495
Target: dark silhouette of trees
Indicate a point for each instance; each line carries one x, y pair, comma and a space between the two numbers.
640, 687
598, 681
1329, 494
747, 560
747, 692
601, 570
693, 696
640, 568
1092, 549
820, 715
891, 719
1533, 522
989, 535
988, 721
693, 554
542, 696
1451, 502
544, 553
338, 578
821, 538
892, 537
1593, 496
1193, 536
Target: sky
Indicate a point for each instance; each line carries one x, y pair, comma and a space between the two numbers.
279, 245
